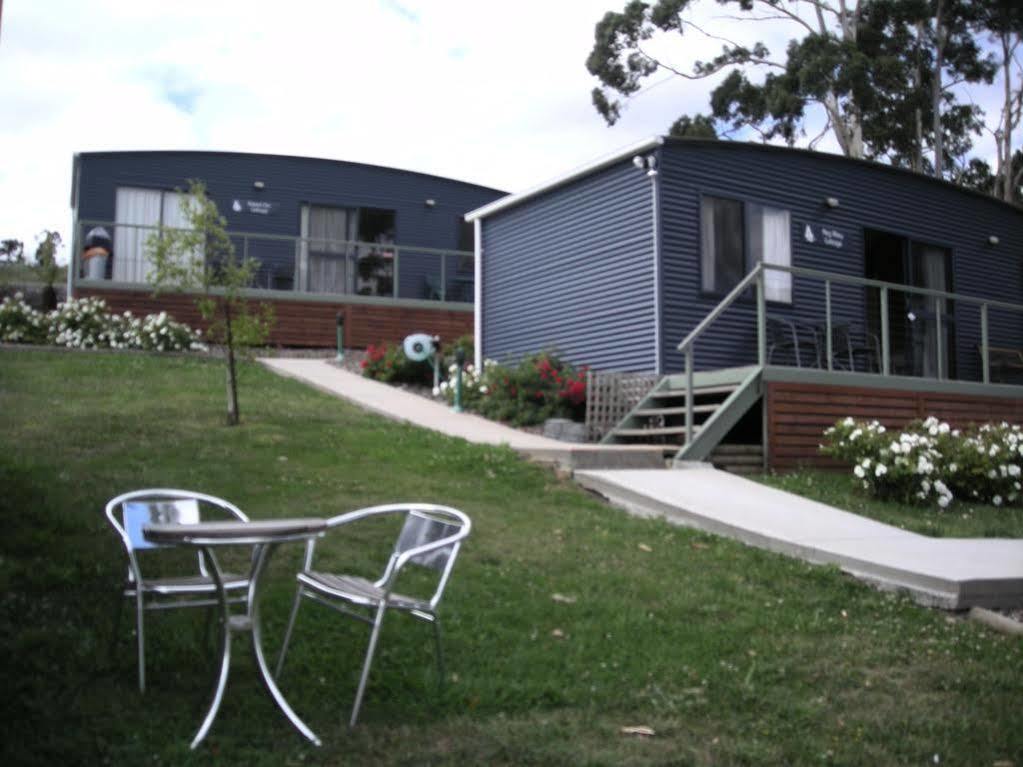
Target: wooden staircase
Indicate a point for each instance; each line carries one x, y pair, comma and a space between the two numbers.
719, 399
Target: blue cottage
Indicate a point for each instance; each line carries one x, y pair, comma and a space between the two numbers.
770, 275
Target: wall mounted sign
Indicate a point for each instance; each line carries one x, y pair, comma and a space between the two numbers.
258, 207
817, 234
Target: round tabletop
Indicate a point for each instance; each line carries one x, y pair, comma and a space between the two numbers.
235, 532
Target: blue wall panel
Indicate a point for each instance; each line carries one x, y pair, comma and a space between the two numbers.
870, 197
572, 271
291, 182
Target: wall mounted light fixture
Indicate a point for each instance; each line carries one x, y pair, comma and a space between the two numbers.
993, 240
258, 185
831, 202
430, 202
648, 163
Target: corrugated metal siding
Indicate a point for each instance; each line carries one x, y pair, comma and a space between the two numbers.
870, 198
290, 183
572, 271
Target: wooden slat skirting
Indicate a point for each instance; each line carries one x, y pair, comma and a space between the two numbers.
798, 414
308, 324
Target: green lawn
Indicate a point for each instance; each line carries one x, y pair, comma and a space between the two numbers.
959, 520
732, 655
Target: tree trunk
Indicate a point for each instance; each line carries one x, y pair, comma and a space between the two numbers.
1003, 179
232, 381
918, 78
936, 89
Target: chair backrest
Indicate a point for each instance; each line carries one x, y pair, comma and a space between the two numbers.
426, 524
422, 528
130, 512
136, 514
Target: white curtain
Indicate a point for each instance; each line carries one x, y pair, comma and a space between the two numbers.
174, 218
147, 209
324, 263
777, 249
707, 244
140, 207
931, 266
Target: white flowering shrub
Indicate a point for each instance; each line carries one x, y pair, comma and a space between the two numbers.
158, 332
929, 462
20, 323
86, 324
474, 384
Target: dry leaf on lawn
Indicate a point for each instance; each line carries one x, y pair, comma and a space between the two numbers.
639, 729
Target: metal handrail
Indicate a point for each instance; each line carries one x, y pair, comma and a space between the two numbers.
289, 238
347, 249
756, 275
689, 341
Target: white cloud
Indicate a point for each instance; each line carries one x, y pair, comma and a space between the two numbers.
492, 93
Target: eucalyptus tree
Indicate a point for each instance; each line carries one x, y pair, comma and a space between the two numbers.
883, 73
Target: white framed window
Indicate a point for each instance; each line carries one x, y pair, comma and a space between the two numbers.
138, 214
771, 242
737, 235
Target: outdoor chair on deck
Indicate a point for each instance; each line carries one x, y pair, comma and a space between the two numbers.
789, 336
855, 349
128, 514
430, 538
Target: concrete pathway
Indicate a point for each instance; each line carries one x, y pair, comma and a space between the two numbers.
391, 402
953, 573
945, 572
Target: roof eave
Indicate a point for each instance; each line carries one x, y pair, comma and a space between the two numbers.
514, 199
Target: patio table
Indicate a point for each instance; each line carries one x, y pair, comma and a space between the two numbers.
264, 536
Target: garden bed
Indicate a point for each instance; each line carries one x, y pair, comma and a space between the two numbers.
959, 520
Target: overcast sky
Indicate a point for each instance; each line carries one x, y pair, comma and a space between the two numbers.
488, 92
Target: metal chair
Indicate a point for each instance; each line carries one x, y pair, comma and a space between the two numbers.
128, 513
850, 345
788, 335
430, 537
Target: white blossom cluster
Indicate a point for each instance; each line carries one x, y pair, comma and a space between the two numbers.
473, 381
20, 323
930, 461
86, 324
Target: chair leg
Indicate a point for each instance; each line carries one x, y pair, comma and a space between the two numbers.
139, 631
377, 623
440, 652
287, 632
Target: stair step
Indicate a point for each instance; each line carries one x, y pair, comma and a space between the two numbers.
699, 390
680, 410
737, 460
737, 450
744, 470
659, 431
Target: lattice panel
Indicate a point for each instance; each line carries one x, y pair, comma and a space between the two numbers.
610, 395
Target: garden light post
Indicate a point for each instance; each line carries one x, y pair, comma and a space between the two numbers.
459, 361
340, 336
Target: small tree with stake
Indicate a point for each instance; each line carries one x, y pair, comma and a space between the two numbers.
202, 257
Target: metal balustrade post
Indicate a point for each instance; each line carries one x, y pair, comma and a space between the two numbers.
827, 323
985, 356
689, 395
886, 364
761, 320
940, 355
395, 275
443, 276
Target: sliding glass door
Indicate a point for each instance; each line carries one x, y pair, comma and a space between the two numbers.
921, 328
